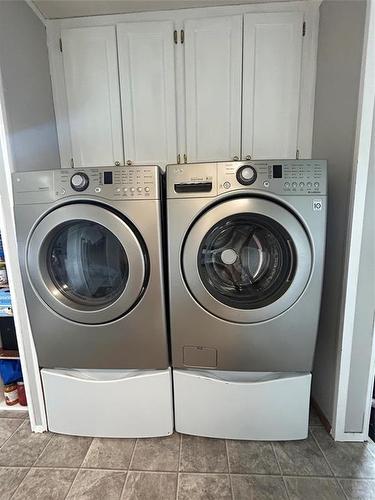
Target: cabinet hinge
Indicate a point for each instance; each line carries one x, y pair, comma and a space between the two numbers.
178, 159
175, 36
304, 28
185, 158
297, 154
71, 162
182, 34
60, 44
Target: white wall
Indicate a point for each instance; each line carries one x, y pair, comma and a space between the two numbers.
24, 68
338, 75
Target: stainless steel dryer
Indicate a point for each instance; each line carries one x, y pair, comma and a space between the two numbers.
246, 252
91, 260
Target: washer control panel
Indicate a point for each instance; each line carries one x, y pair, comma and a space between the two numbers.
125, 183
282, 177
295, 177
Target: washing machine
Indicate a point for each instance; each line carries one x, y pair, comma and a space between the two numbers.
90, 252
246, 254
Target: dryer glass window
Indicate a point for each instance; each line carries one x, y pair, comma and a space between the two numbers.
87, 263
247, 261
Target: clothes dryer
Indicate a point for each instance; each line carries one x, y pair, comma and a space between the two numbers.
90, 251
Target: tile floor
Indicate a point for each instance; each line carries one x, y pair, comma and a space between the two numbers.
51, 466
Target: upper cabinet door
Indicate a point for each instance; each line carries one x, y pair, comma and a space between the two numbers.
92, 87
213, 59
271, 84
148, 94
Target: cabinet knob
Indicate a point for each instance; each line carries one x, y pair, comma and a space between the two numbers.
235, 158
117, 163
248, 157
129, 162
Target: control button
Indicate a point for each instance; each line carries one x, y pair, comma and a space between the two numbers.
117, 190
132, 190
294, 184
139, 189
246, 175
266, 184
309, 184
125, 190
79, 181
97, 190
226, 185
63, 191
147, 189
301, 184
316, 184
287, 185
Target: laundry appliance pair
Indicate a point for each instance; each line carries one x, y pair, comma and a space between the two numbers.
245, 261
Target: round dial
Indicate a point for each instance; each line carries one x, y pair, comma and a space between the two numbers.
246, 175
79, 181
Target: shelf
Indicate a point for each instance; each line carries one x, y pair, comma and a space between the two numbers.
6, 354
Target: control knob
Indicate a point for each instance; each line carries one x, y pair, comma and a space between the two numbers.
79, 181
246, 175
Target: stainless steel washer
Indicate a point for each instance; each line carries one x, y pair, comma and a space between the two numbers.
246, 255
90, 250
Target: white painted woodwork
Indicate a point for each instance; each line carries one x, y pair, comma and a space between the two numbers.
148, 92
213, 59
271, 84
92, 87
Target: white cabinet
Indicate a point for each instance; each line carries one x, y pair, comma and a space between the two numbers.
271, 84
93, 99
213, 59
189, 85
148, 93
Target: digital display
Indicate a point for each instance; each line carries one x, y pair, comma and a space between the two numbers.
108, 178
277, 171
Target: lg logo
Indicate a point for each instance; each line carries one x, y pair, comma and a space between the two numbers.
317, 205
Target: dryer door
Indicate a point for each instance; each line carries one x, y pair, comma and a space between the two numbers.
247, 260
87, 263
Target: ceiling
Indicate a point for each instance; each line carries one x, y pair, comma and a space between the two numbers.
58, 9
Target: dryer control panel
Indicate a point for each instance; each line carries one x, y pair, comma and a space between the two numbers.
282, 177
110, 183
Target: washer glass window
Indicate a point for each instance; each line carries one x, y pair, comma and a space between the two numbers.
87, 263
247, 261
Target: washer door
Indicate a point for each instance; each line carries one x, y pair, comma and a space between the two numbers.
86, 263
247, 260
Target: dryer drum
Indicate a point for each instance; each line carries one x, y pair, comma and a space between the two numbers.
87, 263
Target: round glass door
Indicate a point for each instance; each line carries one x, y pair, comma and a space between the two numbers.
87, 263
247, 260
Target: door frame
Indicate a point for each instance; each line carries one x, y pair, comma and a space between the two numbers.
364, 143
26, 348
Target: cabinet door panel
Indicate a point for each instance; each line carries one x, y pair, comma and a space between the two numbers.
213, 59
91, 78
148, 94
271, 84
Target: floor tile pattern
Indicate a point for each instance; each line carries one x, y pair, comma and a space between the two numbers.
179, 467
